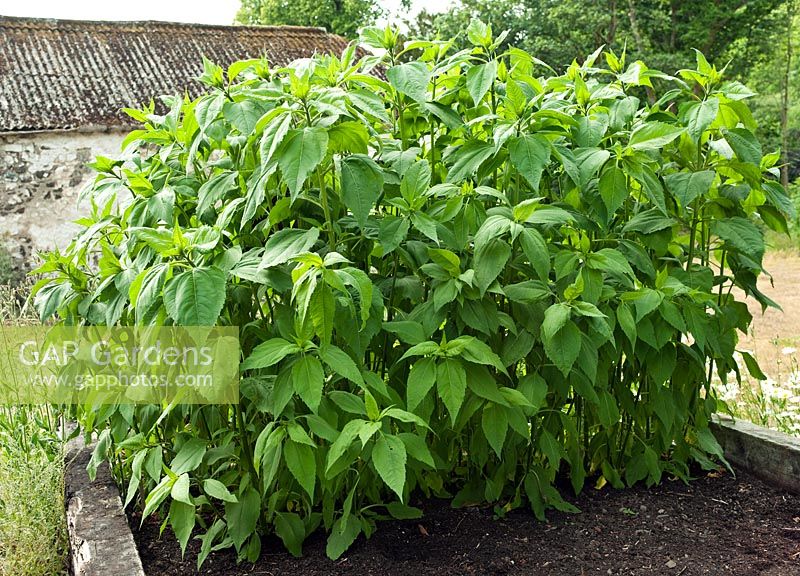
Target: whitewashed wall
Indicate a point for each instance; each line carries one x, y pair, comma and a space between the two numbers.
41, 175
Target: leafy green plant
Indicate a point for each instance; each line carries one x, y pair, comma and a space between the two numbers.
454, 276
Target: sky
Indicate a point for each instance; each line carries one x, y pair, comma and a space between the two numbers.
197, 11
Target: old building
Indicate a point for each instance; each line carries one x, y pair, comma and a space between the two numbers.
63, 84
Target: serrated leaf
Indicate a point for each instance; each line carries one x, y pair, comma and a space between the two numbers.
494, 423
269, 353
451, 385
302, 464
196, 297
421, 379
181, 520
411, 79
344, 532
563, 347
362, 184
389, 459
218, 490
292, 531
242, 516
654, 135
285, 244
308, 379
686, 186
613, 187
529, 156
480, 79
299, 154
700, 116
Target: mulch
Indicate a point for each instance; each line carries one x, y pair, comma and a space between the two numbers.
718, 524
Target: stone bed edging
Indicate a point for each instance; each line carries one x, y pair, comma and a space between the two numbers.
100, 540
771, 455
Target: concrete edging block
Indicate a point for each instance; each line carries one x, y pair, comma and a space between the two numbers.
100, 540
771, 455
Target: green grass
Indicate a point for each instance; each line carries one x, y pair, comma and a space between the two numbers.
33, 538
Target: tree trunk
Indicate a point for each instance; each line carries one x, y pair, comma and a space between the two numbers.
785, 96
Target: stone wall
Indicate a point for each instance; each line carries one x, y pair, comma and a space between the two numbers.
41, 175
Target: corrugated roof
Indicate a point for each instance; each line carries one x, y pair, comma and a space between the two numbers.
62, 74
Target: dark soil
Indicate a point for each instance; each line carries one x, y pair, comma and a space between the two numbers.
717, 525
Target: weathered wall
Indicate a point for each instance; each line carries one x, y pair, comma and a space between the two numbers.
41, 175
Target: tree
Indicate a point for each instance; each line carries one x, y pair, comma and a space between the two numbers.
665, 33
342, 17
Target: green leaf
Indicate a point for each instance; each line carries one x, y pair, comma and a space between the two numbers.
292, 531
302, 464
494, 423
322, 308
745, 145
480, 79
362, 184
451, 384
181, 519
421, 379
189, 457
392, 231
215, 189
529, 156
607, 409
243, 114
218, 490
411, 79
196, 297
550, 448
479, 352
338, 361
468, 159
417, 448
535, 249
400, 511
344, 532
700, 116
654, 135
686, 186
555, 318
490, 260
742, 234
613, 186
308, 379
242, 516
299, 154
350, 137
752, 366
406, 330
180, 490
343, 442
563, 347
626, 322
389, 459
648, 222
269, 353
285, 244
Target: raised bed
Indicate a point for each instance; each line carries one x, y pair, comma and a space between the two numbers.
718, 524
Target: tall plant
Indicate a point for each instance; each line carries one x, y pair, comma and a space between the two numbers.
455, 275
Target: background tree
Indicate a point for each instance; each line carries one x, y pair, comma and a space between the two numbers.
342, 17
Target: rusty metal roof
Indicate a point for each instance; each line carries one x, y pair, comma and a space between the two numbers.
65, 74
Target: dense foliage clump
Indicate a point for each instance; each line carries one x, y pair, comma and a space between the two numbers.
456, 273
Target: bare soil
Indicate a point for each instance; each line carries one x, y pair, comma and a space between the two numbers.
775, 333
717, 524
